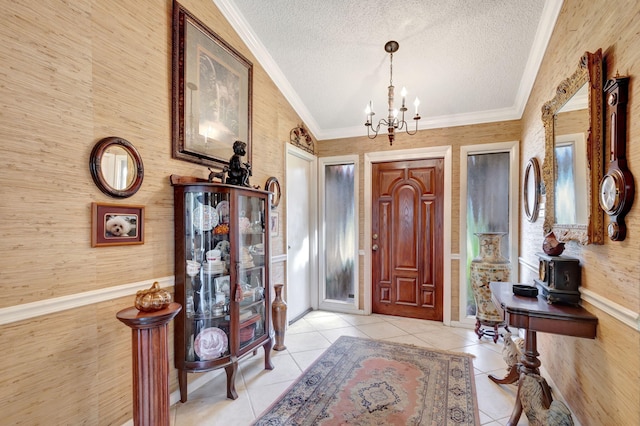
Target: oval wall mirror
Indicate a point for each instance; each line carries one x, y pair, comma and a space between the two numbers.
531, 190
116, 167
272, 185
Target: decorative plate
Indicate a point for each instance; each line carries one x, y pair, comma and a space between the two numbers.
205, 218
223, 211
210, 343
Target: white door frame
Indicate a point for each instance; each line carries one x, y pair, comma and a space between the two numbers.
313, 220
410, 154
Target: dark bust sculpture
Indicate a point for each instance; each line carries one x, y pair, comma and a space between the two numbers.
238, 172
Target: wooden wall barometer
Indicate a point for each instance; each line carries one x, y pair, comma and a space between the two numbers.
616, 187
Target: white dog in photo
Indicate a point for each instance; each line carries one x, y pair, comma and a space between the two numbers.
117, 226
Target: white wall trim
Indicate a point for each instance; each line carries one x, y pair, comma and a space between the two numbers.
531, 266
246, 33
30, 310
410, 154
619, 312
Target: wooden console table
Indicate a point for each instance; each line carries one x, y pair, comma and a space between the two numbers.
149, 334
533, 315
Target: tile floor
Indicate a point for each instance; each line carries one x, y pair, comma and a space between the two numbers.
308, 337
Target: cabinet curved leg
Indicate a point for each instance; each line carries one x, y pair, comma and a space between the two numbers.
182, 381
231, 370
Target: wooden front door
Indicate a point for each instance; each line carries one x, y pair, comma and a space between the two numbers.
407, 238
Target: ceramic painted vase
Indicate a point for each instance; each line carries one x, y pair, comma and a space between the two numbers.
489, 266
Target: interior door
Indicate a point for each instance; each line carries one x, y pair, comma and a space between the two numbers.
407, 238
301, 251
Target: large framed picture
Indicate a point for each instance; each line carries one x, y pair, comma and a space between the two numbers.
212, 85
116, 224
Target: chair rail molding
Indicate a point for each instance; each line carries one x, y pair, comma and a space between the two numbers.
30, 310
619, 312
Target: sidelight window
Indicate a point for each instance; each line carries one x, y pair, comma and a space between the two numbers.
489, 182
339, 227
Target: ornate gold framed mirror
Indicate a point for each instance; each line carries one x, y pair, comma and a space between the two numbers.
116, 167
572, 167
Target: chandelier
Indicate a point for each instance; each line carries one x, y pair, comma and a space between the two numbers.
392, 122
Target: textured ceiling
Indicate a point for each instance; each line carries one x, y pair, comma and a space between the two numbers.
467, 61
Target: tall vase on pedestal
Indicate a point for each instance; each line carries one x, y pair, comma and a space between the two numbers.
489, 266
279, 313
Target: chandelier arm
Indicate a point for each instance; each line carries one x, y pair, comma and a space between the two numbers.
416, 118
375, 131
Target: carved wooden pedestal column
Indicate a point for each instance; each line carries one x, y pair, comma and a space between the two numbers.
150, 363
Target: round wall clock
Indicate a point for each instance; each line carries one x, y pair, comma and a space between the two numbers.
609, 193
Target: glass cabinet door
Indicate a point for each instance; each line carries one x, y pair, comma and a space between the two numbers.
251, 269
207, 284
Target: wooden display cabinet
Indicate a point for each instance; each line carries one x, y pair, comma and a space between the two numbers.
221, 278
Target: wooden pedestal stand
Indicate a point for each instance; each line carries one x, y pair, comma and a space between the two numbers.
150, 363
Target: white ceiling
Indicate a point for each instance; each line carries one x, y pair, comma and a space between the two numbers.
468, 61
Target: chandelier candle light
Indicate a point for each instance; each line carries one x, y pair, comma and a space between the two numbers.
392, 121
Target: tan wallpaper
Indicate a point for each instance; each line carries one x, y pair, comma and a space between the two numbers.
75, 72
598, 377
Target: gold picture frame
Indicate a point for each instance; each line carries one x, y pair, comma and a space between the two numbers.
212, 91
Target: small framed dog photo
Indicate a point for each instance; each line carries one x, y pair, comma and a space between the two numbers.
116, 224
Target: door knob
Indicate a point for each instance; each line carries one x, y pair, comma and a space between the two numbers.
374, 247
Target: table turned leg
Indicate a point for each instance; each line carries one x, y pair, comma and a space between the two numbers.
530, 365
530, 361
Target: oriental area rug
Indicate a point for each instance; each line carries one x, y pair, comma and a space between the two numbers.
371, 382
